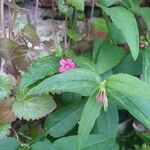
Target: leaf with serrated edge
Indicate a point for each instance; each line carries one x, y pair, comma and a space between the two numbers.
41, 68
6, 84
33, 107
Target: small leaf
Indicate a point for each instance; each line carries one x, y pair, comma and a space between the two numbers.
145, 13
29, 32
78, 4
146, 64
100, 24
62, 7
109, 56
4, 130
126, 22
63, 120
45, 145
6, 84
132, 94
41, 68
94, 142
89, 115
107, 122
33, 107
80, 81
74, 35
9, 144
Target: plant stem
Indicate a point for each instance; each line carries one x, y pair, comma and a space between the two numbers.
91, 18
36, 11
65, 40
2, 18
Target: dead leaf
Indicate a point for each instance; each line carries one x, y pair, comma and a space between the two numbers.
6, 115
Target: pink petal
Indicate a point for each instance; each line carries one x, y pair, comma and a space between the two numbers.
67, 67
68, 60
62, 62
73, 65
62, 69
100, 96
142, 46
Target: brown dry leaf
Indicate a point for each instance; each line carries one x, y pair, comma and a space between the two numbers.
20, 58
8, 67
6, 115
29, 32
7, 46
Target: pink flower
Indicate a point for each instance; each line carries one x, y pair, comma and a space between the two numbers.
142, 46
101, 96
66, 64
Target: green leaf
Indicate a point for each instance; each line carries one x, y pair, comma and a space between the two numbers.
107, 122
129, 66
6, 84
133, 5
132, 94
110, 2
146, 65
70, 98
145, 13
79, 81
109, 56
126, 22
45, 145
41, 68
78, 4
94, 142
100, 24
96, 49
89, 115
33, 107
62, 7
84, 62
63, 120
4, 130
117, 36
9, 144
72, 34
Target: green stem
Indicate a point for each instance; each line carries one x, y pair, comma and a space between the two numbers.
43, 135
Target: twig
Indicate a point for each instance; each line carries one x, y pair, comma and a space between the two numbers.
65, 40
91, 18
2, 18
36, 11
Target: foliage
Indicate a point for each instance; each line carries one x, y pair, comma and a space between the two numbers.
80, 107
